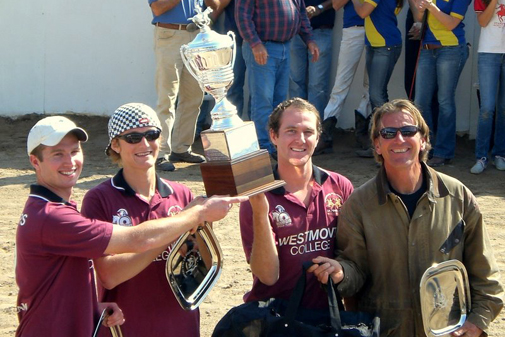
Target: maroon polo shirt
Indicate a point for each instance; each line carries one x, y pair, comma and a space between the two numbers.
148, 303
301, 233
54, 244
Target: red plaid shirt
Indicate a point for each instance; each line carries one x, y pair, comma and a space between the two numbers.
272, 20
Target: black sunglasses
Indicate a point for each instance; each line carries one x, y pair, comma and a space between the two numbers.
136, 137
406, 131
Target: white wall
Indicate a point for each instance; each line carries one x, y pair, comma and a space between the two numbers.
92, 56
89, 56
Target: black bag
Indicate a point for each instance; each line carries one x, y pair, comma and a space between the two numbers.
269, 319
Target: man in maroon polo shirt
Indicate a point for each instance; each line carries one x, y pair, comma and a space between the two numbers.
54, 242
296, 223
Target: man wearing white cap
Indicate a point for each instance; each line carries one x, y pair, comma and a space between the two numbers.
54, 242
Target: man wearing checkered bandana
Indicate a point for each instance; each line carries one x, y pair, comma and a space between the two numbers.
136, 194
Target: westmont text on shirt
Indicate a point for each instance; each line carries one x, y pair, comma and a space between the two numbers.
309, 241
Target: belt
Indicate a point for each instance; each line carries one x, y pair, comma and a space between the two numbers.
325, 27
175, 26
431, 46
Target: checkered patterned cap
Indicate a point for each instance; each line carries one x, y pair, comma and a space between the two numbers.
131, 116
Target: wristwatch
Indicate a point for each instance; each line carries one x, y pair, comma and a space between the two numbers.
320, 7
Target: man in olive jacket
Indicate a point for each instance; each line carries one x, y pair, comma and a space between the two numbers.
403, 221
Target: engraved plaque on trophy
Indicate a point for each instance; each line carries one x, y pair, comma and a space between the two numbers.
235, 164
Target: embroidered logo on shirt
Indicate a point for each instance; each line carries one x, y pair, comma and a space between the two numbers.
122, 218
280, 217
173, 210
22, 307
22, 220
333, 202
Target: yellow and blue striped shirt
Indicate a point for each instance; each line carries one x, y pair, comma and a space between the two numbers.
381, 26
436, 33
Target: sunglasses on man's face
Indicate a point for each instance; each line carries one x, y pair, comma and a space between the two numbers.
136, 137
406, 131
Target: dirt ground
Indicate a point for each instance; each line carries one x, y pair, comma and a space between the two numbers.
16, 176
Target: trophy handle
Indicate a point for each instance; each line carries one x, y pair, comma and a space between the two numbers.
189, 66
232, 37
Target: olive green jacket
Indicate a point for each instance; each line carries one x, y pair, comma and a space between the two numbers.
384, 252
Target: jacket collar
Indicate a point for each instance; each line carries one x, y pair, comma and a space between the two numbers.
119, 182
319, 175
436, 186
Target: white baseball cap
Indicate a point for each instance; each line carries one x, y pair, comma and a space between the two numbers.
50, 131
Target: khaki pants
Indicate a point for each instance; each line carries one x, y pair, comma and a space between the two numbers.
175, 83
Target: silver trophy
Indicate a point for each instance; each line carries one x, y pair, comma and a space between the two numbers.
210, 58
235, 164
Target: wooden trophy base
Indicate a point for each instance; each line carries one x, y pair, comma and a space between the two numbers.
247, 175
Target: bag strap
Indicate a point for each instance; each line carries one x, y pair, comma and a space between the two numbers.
295, 299
335, 320
297, 295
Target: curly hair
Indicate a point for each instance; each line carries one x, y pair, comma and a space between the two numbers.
405, 106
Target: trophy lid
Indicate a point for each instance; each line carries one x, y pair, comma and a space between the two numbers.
208, 39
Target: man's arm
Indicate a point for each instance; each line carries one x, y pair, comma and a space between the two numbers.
214, 4
306, 28
161, 6
136, 247
244, 10
313, 11
113, 270
363, 9
156, 233
414, 8
114, 314
216, 13
325, 267
337, 4
314, 50
483, 273
468, 330
486, 16
264, 260
351, 249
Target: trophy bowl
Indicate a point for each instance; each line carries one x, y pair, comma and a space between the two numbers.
210, 58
